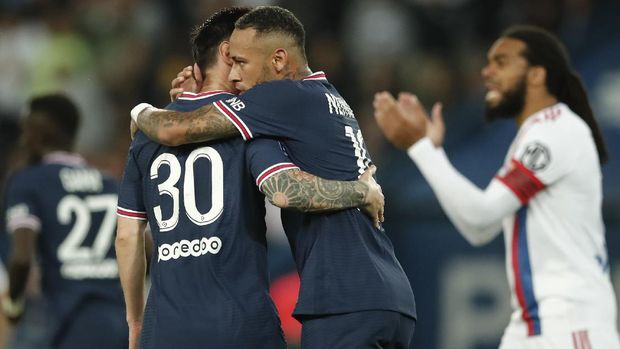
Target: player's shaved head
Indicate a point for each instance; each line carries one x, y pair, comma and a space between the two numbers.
275, 24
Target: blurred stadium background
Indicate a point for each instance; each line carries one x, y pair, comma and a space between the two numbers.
110, 55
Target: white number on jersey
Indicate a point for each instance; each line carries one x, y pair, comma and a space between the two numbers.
358, 145
80, 262
168, 188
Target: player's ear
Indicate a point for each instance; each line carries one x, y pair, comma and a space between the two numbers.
279, 59
537, 76
224, 52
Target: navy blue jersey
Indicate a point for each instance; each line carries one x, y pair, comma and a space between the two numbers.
345, 263
209, 273
72, 207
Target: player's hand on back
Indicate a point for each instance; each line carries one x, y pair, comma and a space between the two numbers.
435, 127
188, 80
404, 122
374, 202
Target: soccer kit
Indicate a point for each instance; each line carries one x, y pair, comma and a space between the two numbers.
345, 264
547, 198
72, 208
209, 279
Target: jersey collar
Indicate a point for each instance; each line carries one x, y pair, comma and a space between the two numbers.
64, 158
190, 96
316, 76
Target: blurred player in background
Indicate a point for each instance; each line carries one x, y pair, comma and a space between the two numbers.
547, 196
354, 293
210, 286
63, 211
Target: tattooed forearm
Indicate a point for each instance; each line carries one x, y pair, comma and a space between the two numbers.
305, 192
173, 128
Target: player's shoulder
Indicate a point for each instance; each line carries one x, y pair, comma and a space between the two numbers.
26, 176
557, 123
188, 101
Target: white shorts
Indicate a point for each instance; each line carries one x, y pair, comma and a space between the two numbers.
593, 338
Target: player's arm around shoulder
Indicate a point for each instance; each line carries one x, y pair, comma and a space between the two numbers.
173, 128
299, 190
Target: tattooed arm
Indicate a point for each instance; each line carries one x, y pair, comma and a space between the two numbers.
296, 189
174, 128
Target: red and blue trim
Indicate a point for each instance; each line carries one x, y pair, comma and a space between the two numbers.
131, 214
272, 170
522, 271
316, 76
189, 96
235, 119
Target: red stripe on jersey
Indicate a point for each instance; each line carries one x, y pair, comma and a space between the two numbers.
317, 75
130, 214
245, 132
522, 181
190, 95
273, 170
575, 342
585, 340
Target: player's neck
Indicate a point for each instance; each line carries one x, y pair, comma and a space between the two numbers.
534, 105
214, 86
215, 80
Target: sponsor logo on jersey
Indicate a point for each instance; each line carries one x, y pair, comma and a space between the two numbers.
236, 103
536, 157
186, 248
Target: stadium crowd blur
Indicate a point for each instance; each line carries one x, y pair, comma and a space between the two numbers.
110, 55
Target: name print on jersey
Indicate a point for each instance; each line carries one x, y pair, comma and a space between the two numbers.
81, 179
339, 106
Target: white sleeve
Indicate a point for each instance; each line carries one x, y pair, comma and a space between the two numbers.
477, 214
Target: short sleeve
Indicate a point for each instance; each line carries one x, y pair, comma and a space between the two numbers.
22, 205
267, 157
542, 156
130, 196
267, 110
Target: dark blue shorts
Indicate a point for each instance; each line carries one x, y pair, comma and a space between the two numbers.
96, 324
371, 329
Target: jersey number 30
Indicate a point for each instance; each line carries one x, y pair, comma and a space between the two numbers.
169, 187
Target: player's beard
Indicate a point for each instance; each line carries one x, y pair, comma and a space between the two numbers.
510, 105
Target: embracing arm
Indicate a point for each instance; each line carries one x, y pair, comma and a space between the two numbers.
131, 257
299, 190
476, 213
174, 128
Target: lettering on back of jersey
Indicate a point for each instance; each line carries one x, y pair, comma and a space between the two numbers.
236, 103
536, 156
337, 105
81, 180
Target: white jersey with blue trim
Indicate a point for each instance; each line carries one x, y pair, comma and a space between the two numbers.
556, 257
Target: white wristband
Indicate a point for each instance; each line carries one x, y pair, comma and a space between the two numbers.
135, 112
11, 308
